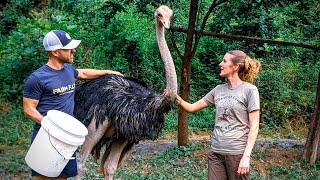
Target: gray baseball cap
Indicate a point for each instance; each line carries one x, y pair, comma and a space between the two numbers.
58, 39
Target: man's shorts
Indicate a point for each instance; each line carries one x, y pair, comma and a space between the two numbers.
71, 168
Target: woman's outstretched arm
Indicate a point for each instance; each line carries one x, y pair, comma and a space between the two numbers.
197, 106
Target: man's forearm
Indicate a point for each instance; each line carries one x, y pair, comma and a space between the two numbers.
94, 73
33, 114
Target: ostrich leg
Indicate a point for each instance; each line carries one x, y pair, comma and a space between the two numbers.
111, 164
93, 137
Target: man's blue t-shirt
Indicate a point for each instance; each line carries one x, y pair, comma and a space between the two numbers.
53, 88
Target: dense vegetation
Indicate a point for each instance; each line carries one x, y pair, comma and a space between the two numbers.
120, 35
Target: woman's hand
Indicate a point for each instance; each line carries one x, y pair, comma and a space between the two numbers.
244, 166
178, 99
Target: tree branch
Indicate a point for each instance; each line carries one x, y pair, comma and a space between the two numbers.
248, 39
175, 44
211, 8
204, 22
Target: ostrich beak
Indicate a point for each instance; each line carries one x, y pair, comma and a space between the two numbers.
166, 24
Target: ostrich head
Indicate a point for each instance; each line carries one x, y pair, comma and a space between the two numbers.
163, 15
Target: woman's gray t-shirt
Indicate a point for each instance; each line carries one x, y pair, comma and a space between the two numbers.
231, 130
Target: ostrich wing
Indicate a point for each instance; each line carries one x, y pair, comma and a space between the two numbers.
135, 112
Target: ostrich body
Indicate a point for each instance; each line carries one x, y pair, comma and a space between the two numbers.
121, 111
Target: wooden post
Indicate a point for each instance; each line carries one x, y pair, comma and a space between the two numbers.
312, 142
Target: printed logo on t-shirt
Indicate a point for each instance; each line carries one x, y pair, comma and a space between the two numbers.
64, 89
227, 106
229, 101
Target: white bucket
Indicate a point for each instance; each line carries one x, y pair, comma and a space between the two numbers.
57, 140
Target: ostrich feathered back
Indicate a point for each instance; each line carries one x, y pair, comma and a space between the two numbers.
135, 112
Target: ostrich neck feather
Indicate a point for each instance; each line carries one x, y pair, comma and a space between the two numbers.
166, 57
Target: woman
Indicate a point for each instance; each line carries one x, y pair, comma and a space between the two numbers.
237, 116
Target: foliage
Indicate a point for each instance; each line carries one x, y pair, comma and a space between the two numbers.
23, 52
12, 12
120, 35
290, 95
15, 132
203, 121
19, 57
288, 81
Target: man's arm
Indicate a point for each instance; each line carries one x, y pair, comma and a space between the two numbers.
30, 110
94, 73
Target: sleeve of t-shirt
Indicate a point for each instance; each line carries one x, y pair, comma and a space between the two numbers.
32, 88
253, 99
209, 97
74, 70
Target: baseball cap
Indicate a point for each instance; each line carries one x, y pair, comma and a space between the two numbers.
58, 39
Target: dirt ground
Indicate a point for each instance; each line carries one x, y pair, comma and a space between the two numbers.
268, 153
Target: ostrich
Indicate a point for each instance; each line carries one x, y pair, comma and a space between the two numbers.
120, 111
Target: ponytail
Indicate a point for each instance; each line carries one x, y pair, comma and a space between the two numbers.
249, 68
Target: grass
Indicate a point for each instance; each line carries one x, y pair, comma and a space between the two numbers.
200, 121
295, 129
190, 163
15, 133
176, 163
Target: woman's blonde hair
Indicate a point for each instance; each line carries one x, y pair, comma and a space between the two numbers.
249, 68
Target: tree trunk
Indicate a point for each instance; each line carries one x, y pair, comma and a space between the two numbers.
43, 3
183, 115
315, 142
312, 142
186, 74
3, 5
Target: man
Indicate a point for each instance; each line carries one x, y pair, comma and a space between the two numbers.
52, 86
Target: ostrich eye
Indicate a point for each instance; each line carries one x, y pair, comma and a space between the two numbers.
159, 15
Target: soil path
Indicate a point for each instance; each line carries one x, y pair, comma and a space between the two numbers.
153, 147
147, 148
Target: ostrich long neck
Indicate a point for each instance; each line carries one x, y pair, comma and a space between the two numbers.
170, 70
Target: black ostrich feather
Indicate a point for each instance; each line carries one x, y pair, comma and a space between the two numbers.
135, 112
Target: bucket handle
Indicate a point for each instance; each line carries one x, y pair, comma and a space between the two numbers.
65, 158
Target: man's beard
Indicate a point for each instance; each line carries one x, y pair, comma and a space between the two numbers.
64, 60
